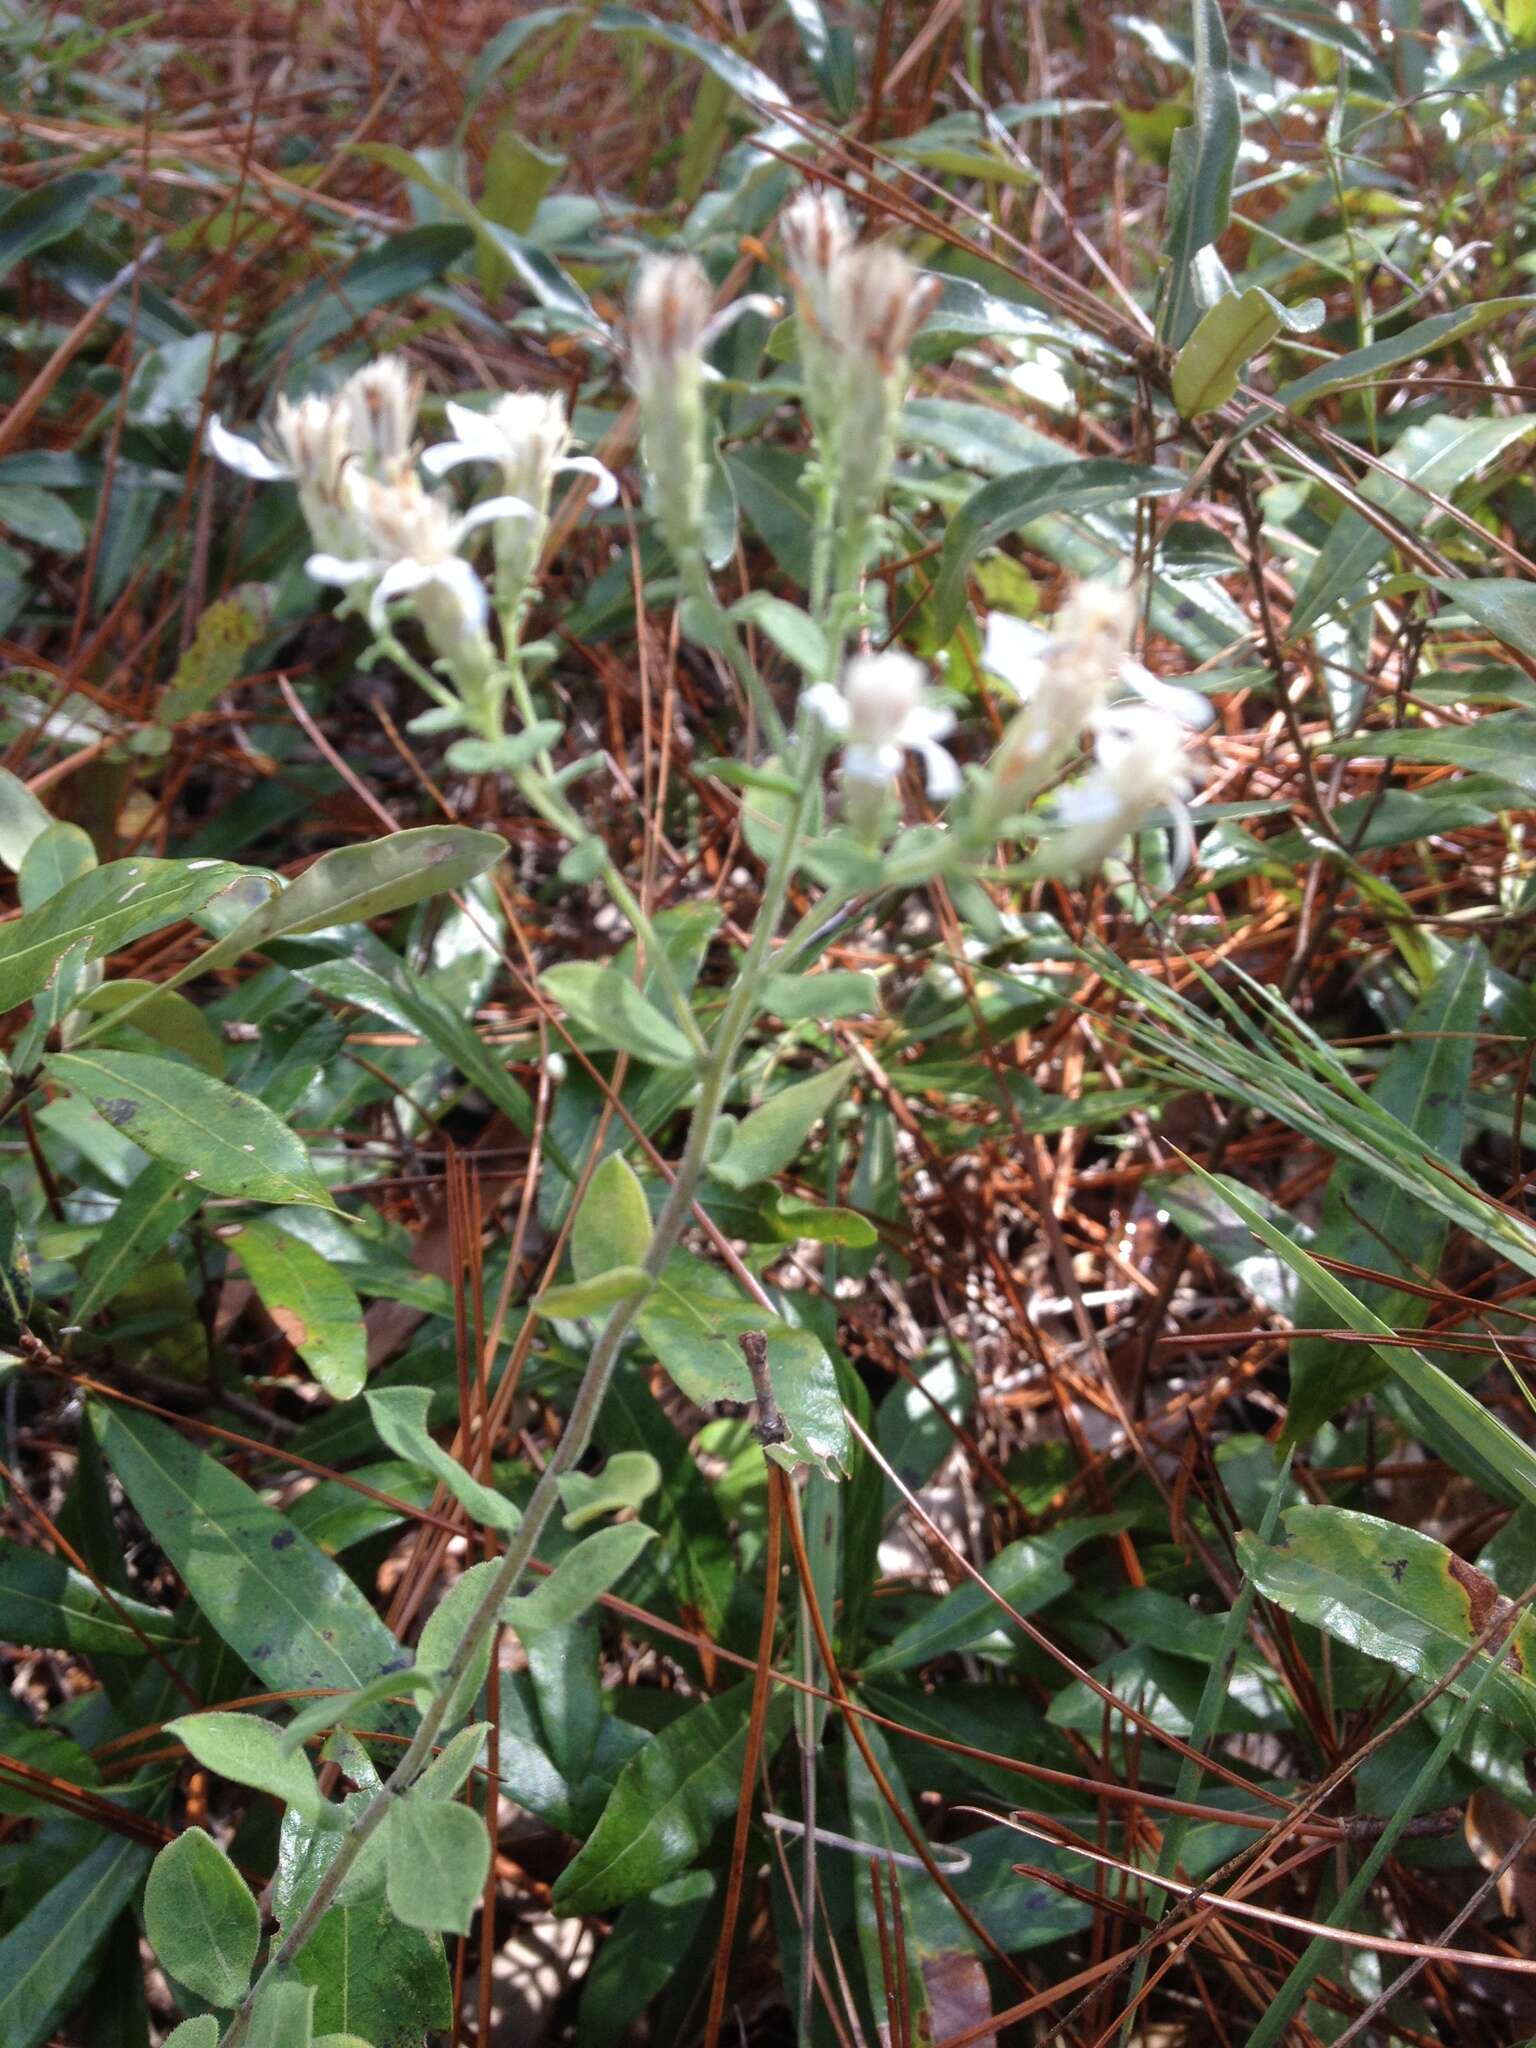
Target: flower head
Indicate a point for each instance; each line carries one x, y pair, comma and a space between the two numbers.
884, 710
382, 402
818, 238
1141, 765
524, 436
878, 303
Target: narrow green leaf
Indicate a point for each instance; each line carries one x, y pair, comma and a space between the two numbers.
219, 1137
249, 1751
400, 1417
46, 1958
669, 1799
1421, 339
47, 213
840, 992
753, 85
1013, 501
22, 819
606, 1004
1028, 1574
283, 2017
1506, 606
587, 1297
1202, 159
47, 1605
1399, 1596
580, 1579
127, 899
613, 1224
768, 1140
285, 1608
162, 1013
154, 1207
438, 1858
201, 1920
310, 1302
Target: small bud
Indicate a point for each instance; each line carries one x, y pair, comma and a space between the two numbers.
669, 318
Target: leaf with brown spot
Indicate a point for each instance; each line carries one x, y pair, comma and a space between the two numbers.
1401, 1597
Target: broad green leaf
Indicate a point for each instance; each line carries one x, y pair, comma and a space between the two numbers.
669, 1799
249, 1751
283, 2017
1371, 1222
162, 1013
1234, 330
47, 213
768, 1140
627, 1480
1015, 500
46, 1958
692, 1323
1202, 159
791, 1218
106, 908
606, 1005
444, 1631
439, 1854
613, 1224
48, 1605
154, 1207
1505, 605
370, 1973
1399, 1596
840, 992
1437, 454
641, 1957
769, 486
1028, 1574
219, 1137
41, 517
791, 630
22, 820
202, 2032
285, 1608
1421, 339
309, 1300
589, 1297
359, 882
580, 1579
400, 1417
201, 1919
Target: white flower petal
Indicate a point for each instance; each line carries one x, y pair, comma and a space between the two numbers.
753, 302
1013, 649
877, 764
489, 511
940, 770
1187, 706
445, 455
335, 569
249, 458
475, 430
464, 582
925, 723
826, 702
607, 488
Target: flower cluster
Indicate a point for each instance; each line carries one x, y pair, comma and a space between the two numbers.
380, 535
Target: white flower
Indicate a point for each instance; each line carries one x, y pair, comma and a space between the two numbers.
881, 712
524, 436
382, 402
1140, 766
312, 447
411, 540
671, 323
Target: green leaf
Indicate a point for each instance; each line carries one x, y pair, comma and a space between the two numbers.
47, 1605
127, 899
45, 1960
1421, 339
1502, 604
285, 1608
202, 2032
283, 2017
641, 1957
161, 1013
16, 1292
791, 630
627, 1480
371, 1974
1202, 158
605, 1003
334, 304
768, 1140
1028, 1574
158, 1202
310, 1302
346, 1709
587, 1297
439, 1855
359, 882
1401, 1597
200, 1918
1237, 328
400, 1417
1437, 454
754, 86
227, 1141
838, 992
1503, 743
48, 1750
22, 819
1368, 1221
613, 1224
32, 220
580, 1579
692, 1323
769, 484
1009, 502
42, 517
669, 1799
249, 1751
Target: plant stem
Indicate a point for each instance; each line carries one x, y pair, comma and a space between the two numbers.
577, 1434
